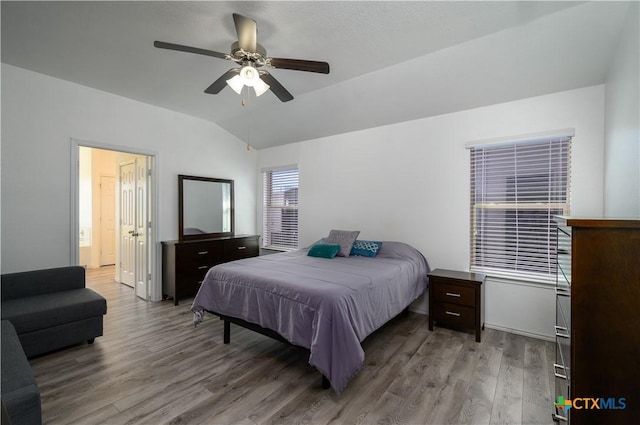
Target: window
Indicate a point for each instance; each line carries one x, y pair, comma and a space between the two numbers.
280, 209
516, 189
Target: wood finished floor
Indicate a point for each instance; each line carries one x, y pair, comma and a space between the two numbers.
152, 367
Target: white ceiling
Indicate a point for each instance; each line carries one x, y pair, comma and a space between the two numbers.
391, 61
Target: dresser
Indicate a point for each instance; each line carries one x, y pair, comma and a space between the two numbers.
185, 263
597, 330
456, 298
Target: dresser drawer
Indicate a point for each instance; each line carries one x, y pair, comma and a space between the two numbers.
563, 360
454, 294
199, 250
189, 282
563, 310
454, 314
236, 249
198, 256
564, 254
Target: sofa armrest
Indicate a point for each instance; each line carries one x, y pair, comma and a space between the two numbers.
37, 282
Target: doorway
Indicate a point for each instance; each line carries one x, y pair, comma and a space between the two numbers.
113, 206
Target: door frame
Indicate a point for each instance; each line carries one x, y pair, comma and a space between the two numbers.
102, 221
154, 292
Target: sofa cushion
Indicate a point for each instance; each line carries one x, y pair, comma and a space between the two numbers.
48, 310
20, 394
37, 282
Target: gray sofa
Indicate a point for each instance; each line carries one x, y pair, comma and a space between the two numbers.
52, 308
42, 311
20, 394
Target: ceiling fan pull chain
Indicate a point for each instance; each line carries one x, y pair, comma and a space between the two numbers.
248, 128
245, 95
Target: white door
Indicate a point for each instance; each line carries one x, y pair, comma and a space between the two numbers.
134, 225
107, 220
127, 223
141, 226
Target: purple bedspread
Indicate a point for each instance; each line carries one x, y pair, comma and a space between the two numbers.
326, 305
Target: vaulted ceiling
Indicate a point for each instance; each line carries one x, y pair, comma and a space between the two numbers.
390, 61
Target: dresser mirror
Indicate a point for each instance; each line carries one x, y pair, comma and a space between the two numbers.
205, 207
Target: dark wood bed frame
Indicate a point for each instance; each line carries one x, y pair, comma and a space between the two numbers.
275, 335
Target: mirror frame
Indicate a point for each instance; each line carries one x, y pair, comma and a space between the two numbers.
181, 235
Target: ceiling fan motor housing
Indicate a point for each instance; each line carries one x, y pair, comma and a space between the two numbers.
257, 57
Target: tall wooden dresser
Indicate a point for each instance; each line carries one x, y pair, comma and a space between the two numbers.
597, 369
185, 263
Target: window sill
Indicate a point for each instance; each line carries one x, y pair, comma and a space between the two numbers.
539, 282
277, 248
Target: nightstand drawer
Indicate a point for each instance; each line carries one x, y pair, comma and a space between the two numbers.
455, 294
454, 314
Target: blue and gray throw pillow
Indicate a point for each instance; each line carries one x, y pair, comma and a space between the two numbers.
366, 248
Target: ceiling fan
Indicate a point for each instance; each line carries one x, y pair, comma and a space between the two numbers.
250, 56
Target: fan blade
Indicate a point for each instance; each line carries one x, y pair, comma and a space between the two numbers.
300, 65
276, 87
247, 31
221, 82
189, 49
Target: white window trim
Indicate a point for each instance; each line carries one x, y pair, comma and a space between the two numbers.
504, 274
266, 239
522, 138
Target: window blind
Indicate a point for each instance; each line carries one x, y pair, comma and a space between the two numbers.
280, 209
516, 189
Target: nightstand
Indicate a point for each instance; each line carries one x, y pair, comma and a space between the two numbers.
456, 298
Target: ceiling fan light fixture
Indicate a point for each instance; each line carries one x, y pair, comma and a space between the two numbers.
260, 87
249, 75
236, 84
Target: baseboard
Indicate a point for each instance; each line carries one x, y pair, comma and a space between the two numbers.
418, 310
499, 328
520, 332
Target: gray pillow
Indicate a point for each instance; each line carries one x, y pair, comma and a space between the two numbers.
344, 238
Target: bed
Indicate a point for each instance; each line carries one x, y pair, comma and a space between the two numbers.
328, 306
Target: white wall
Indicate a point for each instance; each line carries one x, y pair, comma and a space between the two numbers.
410, 182
622, 124
41, 114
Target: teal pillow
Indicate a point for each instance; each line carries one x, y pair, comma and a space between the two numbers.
324, 250
366, 248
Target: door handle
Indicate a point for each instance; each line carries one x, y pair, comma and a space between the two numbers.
133, 233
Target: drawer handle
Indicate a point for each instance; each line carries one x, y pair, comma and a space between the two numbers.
452, 313
452, 294
563, 292
559, 417
203, 267
557, 374
560, 330
203, 252
242, 247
